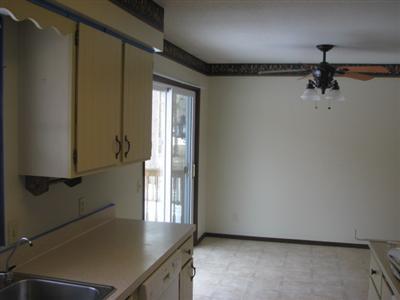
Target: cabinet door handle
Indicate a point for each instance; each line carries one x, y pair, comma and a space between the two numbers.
188, 251
129, 146
119, 149
193, 272
373, 272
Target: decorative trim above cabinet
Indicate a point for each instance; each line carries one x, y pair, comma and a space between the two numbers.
183, 57
254, 69
146, 10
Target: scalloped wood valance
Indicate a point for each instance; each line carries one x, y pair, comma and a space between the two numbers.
20, 10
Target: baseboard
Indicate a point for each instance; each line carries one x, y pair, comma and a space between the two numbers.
201, 238
279, 240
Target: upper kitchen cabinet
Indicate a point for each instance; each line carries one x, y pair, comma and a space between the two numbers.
45, 61
83, 107
98, 100
137, 100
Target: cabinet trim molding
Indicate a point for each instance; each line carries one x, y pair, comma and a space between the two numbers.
42, 18
107, 17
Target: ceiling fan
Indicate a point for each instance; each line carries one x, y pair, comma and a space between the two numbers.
323, 75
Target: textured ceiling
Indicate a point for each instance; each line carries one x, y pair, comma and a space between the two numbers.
250, 31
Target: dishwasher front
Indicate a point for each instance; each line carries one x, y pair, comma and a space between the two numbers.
163, 284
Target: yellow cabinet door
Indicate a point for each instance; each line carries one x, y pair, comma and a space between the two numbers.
98, 92
137, 104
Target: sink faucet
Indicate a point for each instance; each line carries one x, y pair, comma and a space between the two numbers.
7, 275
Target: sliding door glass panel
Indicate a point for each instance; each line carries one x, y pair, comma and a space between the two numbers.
155, 167
168, 175
182, 155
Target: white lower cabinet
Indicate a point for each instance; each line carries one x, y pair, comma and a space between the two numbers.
187, 251
372, 292
188, 271
387, 293
134, 296
173, 280
379, 288
186, 281
163, 284
375, 275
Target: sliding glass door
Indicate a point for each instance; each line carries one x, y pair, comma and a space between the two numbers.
169, 174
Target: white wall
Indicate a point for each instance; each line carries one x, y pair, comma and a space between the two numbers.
170, 69
279, 168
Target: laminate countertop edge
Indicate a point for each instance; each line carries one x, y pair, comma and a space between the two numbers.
122, 253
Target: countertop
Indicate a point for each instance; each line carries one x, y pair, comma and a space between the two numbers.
121, 253
380, 250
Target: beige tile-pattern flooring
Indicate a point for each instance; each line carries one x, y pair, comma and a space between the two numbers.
251, 270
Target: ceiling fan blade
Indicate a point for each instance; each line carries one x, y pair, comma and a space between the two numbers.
308, 76
287, 71
365, 69
357, 76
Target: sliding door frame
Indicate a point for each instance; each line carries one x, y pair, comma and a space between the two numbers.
197, 92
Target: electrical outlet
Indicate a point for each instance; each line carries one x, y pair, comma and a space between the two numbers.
82, 206
12, 231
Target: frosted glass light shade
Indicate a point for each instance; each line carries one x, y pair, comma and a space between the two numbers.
310, 95
334, 95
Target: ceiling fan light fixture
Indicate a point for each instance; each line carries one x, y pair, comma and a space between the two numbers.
323, 85
334, 93
310, 93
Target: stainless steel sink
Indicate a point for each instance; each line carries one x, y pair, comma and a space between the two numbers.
27, 287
